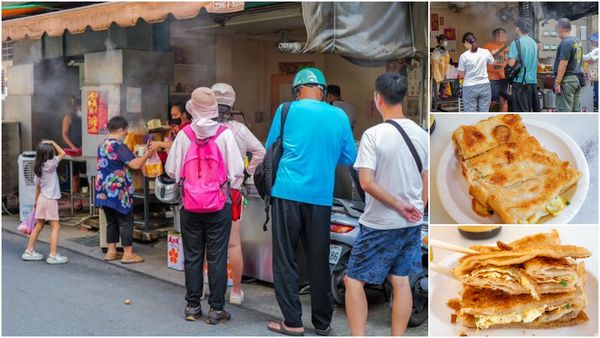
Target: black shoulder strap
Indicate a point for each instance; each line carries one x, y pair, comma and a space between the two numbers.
523, 68
284, 113
269, 178
409, 143
518, 44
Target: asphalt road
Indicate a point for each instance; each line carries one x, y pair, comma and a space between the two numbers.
86, 297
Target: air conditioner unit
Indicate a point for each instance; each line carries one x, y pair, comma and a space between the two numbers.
26, 183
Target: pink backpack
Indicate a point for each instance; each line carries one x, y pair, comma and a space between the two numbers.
204, 174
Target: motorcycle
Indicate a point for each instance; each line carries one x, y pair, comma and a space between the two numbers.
344, 229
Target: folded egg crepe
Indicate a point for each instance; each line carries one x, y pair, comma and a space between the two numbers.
485, 309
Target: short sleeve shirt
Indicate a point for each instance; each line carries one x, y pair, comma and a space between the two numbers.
383, 150
114, 188
475, 66
49, 185
569, 49
529, 56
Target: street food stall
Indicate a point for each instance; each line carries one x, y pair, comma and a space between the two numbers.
140, 58
453, 19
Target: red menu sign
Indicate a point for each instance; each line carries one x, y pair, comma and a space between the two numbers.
97, 112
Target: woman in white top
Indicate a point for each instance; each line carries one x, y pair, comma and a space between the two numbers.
472, 66
247, 143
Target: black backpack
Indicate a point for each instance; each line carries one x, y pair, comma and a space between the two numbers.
266, 172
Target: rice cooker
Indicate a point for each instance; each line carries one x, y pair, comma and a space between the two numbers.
167, 190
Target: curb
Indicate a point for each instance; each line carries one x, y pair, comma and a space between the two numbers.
122, 266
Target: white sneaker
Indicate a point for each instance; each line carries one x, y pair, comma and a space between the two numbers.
58, 259
32, 256
236, 300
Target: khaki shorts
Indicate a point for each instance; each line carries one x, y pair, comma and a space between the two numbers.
46, 209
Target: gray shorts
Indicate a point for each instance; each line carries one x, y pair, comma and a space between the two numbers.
477, 98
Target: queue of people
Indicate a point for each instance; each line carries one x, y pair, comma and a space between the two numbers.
506, 72
206, 158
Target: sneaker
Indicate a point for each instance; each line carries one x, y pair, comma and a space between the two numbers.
32, 256
58, 259
192, 313
132, 259
217, 317
236, 299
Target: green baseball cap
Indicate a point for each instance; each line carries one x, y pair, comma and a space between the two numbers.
310, 76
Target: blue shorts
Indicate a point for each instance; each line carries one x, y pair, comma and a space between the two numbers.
379, 253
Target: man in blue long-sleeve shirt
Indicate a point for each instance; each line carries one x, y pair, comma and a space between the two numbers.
316, 138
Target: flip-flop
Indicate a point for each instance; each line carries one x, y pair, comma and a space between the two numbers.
325, 332
283, 330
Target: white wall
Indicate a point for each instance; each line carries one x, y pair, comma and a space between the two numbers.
249, 64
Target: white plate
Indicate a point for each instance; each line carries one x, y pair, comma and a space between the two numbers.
454, 189
442, 288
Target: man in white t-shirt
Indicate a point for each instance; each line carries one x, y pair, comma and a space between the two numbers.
395, 183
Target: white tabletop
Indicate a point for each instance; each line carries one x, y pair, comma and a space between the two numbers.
583, 128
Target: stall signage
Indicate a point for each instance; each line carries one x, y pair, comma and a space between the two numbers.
435, 23
225, 6
175, 251
97, 112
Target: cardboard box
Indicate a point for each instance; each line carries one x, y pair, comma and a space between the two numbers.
175, 251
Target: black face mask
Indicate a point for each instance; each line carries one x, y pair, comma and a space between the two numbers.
175, 121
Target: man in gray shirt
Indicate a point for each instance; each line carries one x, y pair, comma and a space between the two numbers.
334, 97
566, 66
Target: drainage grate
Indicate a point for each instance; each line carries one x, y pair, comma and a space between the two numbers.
93, 240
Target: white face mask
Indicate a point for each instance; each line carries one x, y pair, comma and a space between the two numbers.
78, 112
445, 43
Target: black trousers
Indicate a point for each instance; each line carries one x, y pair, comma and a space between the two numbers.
211, 232
118, 224
524, 98
293, 221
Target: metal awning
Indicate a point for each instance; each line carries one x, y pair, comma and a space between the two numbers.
100, 17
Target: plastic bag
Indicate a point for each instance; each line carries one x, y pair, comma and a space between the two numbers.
153, 166
26, 227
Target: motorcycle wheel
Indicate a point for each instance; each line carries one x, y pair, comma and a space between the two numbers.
420, 307
420, 301
338, 290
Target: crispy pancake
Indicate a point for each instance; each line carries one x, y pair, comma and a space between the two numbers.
553, 275
505, 258
509, 172
542, 238
527, 201
534, 165
487, 134
476, 301
571, 319
489, 162
509, 279
489, 308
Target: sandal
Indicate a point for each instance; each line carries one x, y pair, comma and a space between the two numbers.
282, 330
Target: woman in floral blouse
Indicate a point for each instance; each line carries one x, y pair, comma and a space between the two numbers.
114, 189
